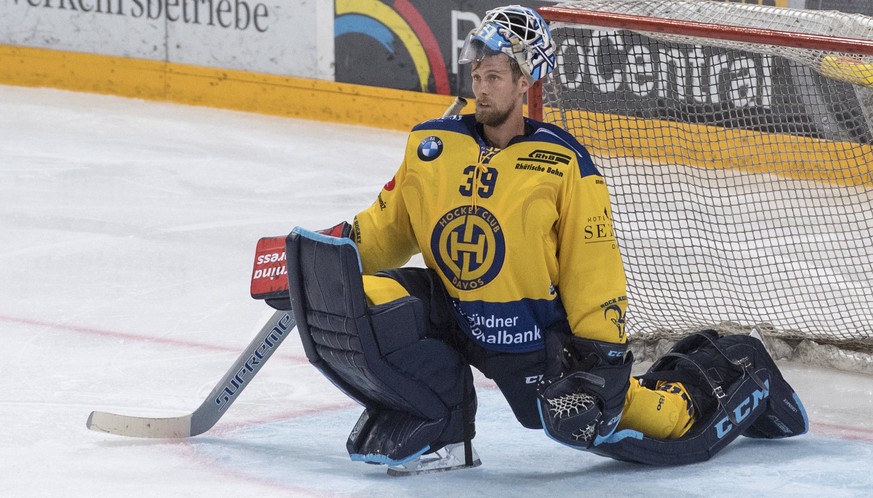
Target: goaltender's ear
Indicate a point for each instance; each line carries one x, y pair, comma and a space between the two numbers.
524, 85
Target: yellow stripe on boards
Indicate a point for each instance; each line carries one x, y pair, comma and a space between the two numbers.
665, 142
702, 146
82, 72
222, 88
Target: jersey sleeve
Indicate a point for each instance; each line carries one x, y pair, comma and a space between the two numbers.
591, 274
383, 232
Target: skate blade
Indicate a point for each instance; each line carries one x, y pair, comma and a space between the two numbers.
433, 470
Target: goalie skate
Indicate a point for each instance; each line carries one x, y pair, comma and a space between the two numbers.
449, 457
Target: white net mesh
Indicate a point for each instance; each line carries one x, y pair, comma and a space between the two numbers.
572, 404
740, 171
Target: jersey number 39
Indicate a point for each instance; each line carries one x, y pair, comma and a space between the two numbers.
487, 181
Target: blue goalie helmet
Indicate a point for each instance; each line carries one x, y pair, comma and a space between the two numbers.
518, 32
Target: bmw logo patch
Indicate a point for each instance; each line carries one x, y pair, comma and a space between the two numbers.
430, 148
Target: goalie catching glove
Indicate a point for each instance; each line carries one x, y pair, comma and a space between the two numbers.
584, 403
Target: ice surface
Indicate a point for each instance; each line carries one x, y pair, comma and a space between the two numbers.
127, 233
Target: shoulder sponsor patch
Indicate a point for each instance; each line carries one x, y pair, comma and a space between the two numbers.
548, 157
430, 148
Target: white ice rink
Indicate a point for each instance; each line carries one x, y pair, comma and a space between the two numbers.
127, 234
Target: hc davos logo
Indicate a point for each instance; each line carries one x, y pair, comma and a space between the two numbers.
430, 148
468, 246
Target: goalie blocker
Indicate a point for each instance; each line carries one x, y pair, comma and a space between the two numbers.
270, 272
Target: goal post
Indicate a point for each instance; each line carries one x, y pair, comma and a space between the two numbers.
737, 141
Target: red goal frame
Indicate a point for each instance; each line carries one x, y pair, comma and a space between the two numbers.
852, 46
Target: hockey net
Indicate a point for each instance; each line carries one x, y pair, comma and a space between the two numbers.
738, 146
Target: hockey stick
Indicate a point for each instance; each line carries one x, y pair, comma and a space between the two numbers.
266, 282
456, 107
213, 407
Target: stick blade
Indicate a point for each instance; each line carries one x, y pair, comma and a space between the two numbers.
123, 425
849, 69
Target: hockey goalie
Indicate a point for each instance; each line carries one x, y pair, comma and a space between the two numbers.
523, 281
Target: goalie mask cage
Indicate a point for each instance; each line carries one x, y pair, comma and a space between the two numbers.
737, 144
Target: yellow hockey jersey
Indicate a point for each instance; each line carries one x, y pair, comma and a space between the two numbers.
521, 237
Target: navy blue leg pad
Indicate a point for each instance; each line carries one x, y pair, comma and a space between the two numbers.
413, 387
784, 415
745, 401
757, 402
